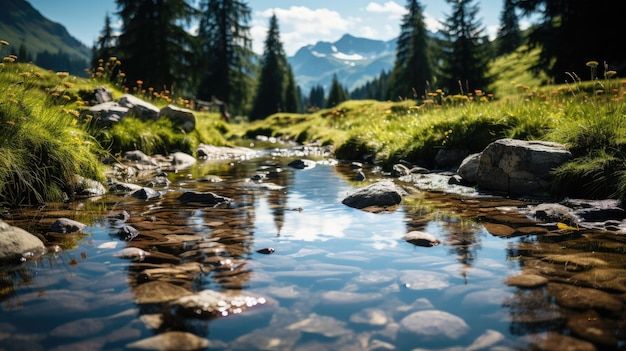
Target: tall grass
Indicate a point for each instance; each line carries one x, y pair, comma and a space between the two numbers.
43, 147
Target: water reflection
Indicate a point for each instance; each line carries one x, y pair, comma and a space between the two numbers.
339, 278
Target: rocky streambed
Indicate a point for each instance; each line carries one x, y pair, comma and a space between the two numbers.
290, 249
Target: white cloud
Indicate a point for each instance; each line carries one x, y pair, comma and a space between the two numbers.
432, 24
391, 8
300, 26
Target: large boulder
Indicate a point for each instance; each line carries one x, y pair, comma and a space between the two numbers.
18, 244
139, 107
179, 116
519, 166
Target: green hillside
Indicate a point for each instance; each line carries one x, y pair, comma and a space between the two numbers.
21, 24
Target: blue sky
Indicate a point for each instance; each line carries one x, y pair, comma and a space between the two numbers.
301, 22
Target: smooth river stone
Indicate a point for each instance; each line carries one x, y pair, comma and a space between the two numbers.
528, 281
371, 316
573, 297
500, 230
173, 340
158, 292
434, 323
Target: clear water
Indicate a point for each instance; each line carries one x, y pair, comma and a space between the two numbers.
339, 278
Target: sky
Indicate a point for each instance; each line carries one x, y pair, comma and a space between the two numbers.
301, 22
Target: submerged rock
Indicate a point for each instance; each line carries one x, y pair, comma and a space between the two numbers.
158, 292
171, 341
435, 324
211, 304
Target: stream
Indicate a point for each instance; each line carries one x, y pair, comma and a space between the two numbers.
315, 273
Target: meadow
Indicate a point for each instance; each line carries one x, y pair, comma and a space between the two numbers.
47, 139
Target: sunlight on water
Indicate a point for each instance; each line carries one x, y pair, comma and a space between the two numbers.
289, 266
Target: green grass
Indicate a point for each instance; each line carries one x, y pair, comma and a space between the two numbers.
42, 146
45, 140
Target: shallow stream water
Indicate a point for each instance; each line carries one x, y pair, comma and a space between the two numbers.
326, 276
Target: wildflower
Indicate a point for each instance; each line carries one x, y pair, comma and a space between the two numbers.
38, 74
592, 64
9, 59
25, 74
139, 82
11, 123
100, 68
610, 74
112, 58
122, 75
63, 74
68, 84
67, 97
100, 60
4, 42
13, 101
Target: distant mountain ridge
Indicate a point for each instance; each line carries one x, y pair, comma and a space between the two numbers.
21, 24
354, 60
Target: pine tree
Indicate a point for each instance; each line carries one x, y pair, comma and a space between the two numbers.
465, 51
337, 93
153, 45
226, 49
412, 68
316, 97
571, 34
273, 80
509, 37
375, 89
105, 46
292, 93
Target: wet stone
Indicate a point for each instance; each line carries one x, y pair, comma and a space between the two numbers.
530, 231
66, 225
500, 230
552, 341
590, 326
206, 198
576, 262
419, 238
434, 324
527, 281
158, 292
370, 316
211, 304
132, 253
173, 340
579, 298
145, 193
127, 233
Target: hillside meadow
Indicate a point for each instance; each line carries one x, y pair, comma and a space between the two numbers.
47, 140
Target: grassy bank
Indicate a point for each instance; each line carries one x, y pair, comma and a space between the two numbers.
588, 117
47, 138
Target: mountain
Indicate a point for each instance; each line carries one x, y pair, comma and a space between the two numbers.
354, 60
22, 25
